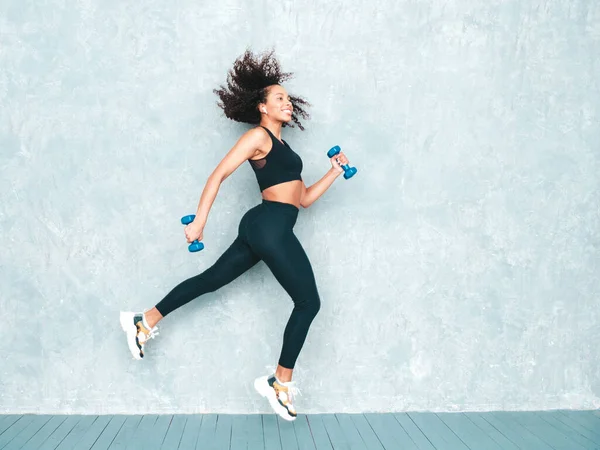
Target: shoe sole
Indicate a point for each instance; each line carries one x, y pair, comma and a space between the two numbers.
262, 387
130, 329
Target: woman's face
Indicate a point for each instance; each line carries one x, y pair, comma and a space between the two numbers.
279, 105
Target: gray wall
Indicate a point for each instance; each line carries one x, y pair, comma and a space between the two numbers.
458, 270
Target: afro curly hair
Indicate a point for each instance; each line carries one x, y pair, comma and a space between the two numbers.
247, 86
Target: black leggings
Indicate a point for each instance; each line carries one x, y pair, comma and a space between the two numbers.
265, 233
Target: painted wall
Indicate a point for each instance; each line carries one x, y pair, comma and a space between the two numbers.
458, 270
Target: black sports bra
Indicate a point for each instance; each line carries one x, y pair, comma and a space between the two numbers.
280, 165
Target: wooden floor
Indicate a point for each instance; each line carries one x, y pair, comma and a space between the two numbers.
558, 430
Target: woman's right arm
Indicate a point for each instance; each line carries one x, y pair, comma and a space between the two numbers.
245, 148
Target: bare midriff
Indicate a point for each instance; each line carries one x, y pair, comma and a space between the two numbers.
289, 192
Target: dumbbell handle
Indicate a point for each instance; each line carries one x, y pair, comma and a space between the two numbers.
195, 246
349, 172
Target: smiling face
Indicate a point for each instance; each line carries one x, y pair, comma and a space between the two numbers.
278, 105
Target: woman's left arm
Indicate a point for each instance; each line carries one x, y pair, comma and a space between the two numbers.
312, 193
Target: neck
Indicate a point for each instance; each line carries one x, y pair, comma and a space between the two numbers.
275, 127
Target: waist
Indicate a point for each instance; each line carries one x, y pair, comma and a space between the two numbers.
289, 192
280, 206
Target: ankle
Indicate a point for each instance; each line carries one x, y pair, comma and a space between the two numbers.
152, 317
283, 377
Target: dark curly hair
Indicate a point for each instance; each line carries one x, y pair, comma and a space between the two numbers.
247, 86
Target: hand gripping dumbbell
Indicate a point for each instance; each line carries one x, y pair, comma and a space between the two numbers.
195, 246
349, 172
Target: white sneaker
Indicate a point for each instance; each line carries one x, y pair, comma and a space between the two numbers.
137, 334
280, 395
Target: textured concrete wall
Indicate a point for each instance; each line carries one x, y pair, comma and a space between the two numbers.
458, 270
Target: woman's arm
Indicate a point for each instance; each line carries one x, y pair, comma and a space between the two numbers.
312, 193
244, 149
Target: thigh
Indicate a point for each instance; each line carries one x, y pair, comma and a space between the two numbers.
290, 265
236, 260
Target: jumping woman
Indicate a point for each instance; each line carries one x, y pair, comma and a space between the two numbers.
254, 95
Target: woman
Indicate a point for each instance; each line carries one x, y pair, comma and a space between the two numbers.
254, 95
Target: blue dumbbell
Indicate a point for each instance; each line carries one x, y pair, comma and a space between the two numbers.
349, 172
195, 246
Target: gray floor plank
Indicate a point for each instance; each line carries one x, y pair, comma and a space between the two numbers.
122, 438
593, 436
22, 430
437, 431
390, 432
287, 434
254, 428
174, 433
591, 414
239, 432
468, 432
271, 432
536, 428
303, 435
77, 433
414, 432
102, 426
585, 419
366, 432
41, 434
4, 417
336, 435
351, 432
503, 441
542, 429
208, 430
157, 434
141, 434
189, 438
574, 435
518, 434
318, 432
8, 425
60, 433
222, 438
8, 421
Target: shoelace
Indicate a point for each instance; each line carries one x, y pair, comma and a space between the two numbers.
291, 385
151, 334
292, 389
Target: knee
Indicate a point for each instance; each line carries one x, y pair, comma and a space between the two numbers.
317, 305
310, 305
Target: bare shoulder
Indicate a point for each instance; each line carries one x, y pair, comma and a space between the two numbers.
259, 139
248, 143
248, 146
254, 136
